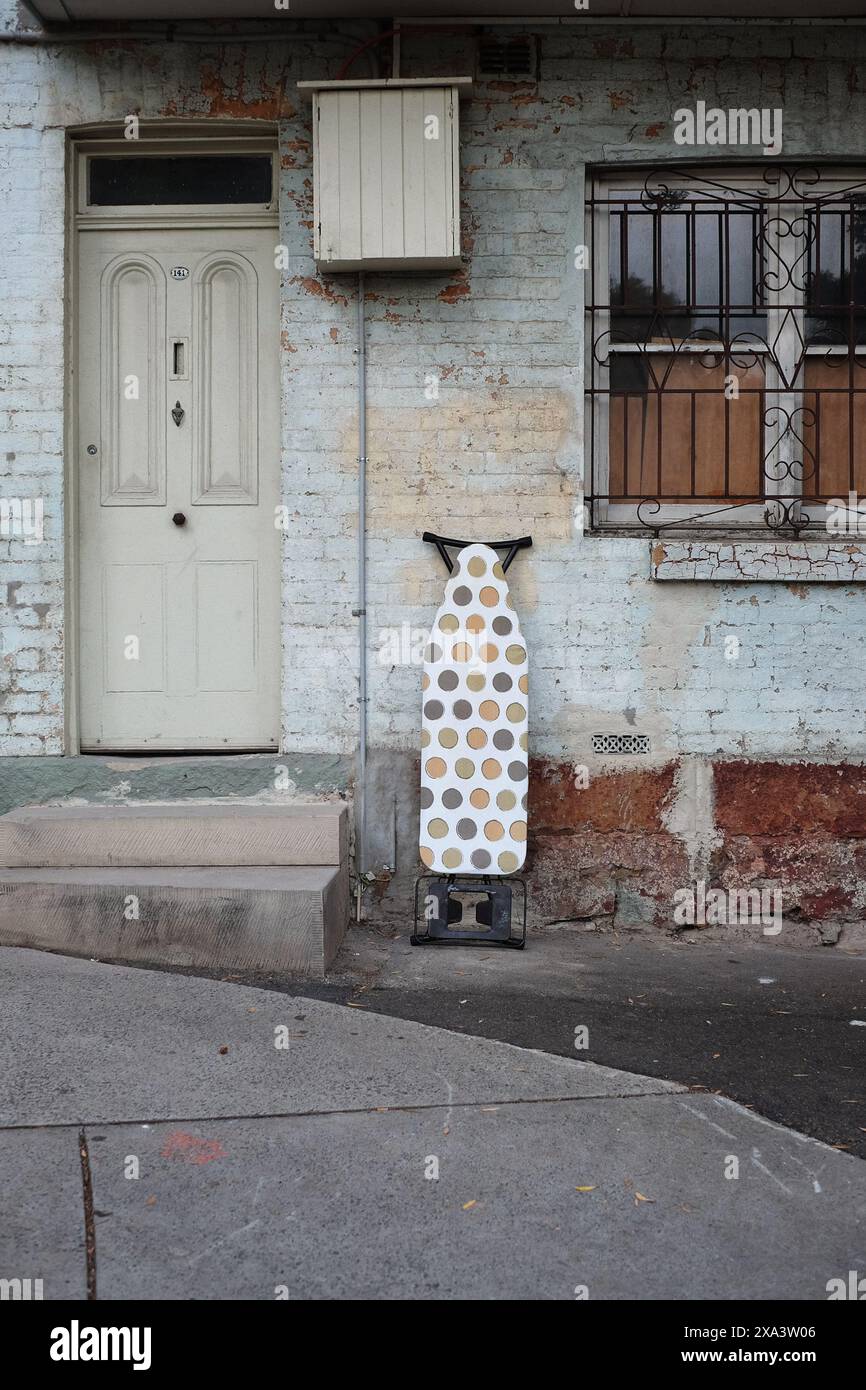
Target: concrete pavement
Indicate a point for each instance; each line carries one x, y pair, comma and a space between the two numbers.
779, 1028
371, 1157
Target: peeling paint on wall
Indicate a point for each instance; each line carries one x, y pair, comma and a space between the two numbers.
498, 448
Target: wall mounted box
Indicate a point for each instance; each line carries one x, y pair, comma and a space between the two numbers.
387, 173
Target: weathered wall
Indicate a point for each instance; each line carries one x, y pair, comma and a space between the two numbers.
498, 452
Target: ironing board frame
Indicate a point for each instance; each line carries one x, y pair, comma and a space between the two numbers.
464, 883
440, 542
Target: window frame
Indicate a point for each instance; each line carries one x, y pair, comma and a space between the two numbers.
782, 507
174, 141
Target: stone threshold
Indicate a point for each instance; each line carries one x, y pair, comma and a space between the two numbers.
116, 778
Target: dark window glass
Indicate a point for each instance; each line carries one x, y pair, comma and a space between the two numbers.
149, 180
682, 267
837, 298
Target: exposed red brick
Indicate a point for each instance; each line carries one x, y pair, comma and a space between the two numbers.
255, 99
829, 903
452, 293
630, 800
316, 287
786, 798
819, 877
296, 152
627, 878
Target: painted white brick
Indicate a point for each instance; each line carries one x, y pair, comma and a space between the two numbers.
500, 451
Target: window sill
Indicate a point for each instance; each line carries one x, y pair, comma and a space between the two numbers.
840, 561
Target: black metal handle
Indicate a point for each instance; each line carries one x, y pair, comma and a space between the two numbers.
512, 547
179, 519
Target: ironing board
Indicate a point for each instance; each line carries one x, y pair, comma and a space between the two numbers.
474, 725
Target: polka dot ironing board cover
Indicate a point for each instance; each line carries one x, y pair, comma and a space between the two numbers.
474, 731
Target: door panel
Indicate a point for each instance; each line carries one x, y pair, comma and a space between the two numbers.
226, 356
133, 604
179, 624
226, 600
132, 330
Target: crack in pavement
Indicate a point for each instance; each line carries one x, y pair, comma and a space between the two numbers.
89, 1224
406, 1109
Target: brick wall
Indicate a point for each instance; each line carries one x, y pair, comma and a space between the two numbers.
498, 452
31, 410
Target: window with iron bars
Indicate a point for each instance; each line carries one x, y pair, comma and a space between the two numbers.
725, 349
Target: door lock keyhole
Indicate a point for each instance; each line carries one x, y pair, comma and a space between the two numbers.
178, 413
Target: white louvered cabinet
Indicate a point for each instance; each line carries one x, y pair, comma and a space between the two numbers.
387, 173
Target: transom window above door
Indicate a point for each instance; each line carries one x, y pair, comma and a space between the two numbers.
147, 180
726, 348
176, 174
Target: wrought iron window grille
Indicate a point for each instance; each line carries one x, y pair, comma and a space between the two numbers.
725, 348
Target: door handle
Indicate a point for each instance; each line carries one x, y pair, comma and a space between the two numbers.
177, 413
179, 519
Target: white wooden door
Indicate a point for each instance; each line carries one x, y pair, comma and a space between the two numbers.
179, 555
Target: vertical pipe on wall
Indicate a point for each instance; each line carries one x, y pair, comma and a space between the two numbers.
361, 782
395, 52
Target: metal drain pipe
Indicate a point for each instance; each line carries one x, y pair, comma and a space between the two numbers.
361, 612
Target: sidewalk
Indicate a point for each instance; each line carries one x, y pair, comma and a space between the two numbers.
302, 1169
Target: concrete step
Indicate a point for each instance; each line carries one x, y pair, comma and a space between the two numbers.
185, 834
287, 919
